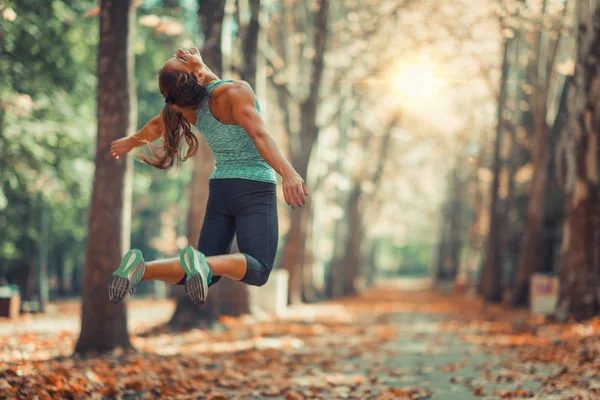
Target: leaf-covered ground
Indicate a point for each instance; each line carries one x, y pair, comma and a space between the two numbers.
384, 344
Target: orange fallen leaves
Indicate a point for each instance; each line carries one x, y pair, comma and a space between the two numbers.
308, 358
513, 394
217, 396
479, 391
292, 395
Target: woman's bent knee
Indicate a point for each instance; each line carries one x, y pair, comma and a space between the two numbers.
264, 276
257, 272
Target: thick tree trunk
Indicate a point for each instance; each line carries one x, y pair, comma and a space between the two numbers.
507, 226
293, 251
210, 18
104, 325
554, 194
529, 260
491, 279
580, 289
531, 248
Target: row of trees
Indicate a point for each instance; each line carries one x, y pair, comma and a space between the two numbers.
285, 57
308, 69
539, 212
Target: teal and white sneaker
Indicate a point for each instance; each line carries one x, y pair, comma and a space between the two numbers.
198, 274
127, 277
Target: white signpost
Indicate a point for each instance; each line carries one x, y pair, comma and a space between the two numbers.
543, 294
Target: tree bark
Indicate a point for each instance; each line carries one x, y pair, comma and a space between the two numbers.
491, 279
456, 232
104, 325
529, 259
554, 194
309, 292
448, 258
580, 288
186, 315
250, 44
353, 259
293, 251
59, 262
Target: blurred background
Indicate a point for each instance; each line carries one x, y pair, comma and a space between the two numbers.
437, 141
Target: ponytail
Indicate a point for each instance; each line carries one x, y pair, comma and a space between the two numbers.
183, 90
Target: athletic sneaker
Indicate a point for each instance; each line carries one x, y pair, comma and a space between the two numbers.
198, 274
127, 277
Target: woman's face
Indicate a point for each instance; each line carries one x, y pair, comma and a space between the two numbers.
186, 61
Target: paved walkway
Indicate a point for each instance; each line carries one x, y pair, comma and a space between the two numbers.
385, 344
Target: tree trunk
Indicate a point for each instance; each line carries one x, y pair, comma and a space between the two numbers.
580, 295
293, 251
104, 325
353, 260
334, 286
442, 251
529, 259
250, 44
554, 194
455, 225
309, 292
59, 260
210, 18
372, 263
334, 283
450, 245
491, 279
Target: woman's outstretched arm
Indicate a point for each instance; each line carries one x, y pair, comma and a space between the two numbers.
148, 134
245, 114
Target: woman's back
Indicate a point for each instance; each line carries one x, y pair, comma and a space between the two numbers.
235, 153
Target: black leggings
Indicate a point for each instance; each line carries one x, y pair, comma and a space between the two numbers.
247, 209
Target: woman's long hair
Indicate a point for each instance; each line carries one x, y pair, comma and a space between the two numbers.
184, 90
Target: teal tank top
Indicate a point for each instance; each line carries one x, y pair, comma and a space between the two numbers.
235, 154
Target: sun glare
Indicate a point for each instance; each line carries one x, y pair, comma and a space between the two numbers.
417, 81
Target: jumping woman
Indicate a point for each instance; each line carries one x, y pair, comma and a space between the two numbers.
242, 197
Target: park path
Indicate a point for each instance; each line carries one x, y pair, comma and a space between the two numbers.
385, 344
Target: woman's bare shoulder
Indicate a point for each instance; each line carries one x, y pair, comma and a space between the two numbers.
238, 89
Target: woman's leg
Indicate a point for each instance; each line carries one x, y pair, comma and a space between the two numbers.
168, 270
254, 204
258, 232
256, 226
216, 238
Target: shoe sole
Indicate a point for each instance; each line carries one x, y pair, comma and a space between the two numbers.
118, 285
117, 288
194, 285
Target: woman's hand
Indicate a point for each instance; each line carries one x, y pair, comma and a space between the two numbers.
121, 147
294, 189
